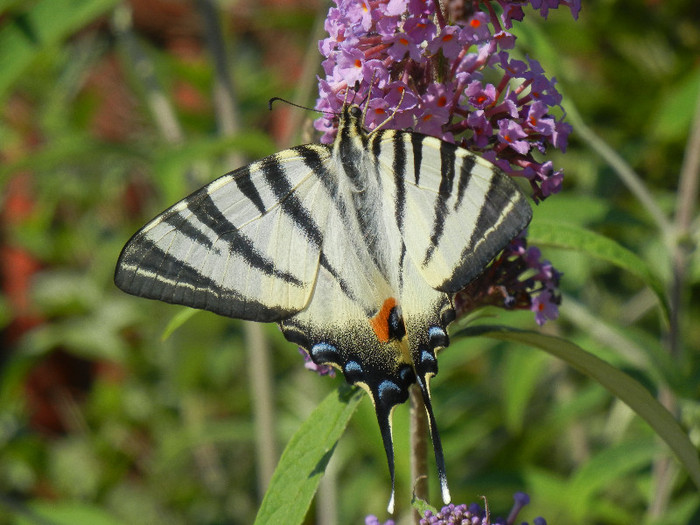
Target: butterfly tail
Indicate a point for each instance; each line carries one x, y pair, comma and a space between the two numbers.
435, 436
384, 419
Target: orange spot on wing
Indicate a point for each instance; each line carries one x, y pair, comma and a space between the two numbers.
380, 322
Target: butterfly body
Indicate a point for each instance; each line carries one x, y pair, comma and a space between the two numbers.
355, 249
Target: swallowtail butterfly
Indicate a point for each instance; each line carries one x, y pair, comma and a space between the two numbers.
354, 248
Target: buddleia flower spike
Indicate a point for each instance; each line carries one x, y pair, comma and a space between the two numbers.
357, 248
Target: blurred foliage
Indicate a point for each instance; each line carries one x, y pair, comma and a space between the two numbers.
104, 421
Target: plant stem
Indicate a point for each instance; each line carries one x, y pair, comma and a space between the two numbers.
157, 101
419, 447
687, 197
225, 100
257, 347
260, 374
664, 470
624, 171
169, 127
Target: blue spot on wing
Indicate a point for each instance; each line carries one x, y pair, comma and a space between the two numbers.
353, 367
388, 388
438, 337
324, 353
426, 356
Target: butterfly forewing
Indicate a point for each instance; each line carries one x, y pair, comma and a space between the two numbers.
462, 209
245, 246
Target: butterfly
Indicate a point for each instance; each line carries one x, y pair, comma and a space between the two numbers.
355, 249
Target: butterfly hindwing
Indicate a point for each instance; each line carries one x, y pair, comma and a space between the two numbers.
244, 246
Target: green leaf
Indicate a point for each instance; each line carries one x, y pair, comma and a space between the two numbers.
28, 33
177, 321
570, 237
66, 513
522, 371
305, 458
170, 162
621, 385
605, 470
421, 506
72, 149
673, 121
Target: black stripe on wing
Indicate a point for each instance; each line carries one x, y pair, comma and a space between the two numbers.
355, 150
209, 214
276, 178
243, 181
504, 214
417, 144
447, 168
399, 181
146, 270
342, 283
465, 172
314, 161
186, 228
400, 164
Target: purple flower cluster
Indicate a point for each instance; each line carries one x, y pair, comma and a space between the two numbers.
517, 279
455, 81
373, 520
322, 370
475, 515
450, 75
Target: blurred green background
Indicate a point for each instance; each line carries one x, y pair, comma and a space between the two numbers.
111, 111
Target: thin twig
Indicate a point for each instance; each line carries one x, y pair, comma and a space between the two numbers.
165, 118
665, 471
687, 198
260, 374
627, 175
597, 328
225, 100
419, 447
163, 113
327, 496
256, 343
690, 173
306, 86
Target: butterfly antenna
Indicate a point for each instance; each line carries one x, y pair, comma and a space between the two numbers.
369, 96
355, 89
435, 436
390, 117
275, 99
384, 419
